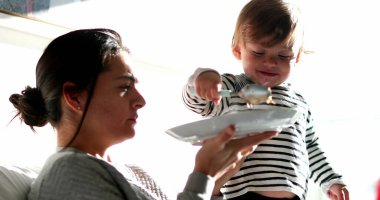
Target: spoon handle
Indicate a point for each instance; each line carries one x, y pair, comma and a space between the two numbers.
223, 93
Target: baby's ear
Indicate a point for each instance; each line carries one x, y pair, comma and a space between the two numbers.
298, 56
237, 52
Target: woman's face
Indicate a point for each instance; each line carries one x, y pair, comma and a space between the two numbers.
112, 113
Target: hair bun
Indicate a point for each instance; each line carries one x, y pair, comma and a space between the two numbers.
30, 106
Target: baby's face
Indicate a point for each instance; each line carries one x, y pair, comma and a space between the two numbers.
269, 66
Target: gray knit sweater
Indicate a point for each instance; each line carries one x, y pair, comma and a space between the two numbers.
71, 174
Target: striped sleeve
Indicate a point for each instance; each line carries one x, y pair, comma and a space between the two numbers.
202, 106
207, 108
321, 171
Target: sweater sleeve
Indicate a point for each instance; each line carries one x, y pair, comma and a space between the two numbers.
198, 187
321, 171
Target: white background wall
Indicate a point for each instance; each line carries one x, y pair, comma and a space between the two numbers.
169, 39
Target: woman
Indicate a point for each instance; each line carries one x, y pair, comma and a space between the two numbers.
85, 89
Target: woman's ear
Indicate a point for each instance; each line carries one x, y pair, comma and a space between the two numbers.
237, 52
72, 96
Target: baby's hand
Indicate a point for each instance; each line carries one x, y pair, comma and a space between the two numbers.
338, 192
207, 86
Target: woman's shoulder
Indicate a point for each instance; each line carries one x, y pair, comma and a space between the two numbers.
76, 174
72, 161
66, 166
69, 155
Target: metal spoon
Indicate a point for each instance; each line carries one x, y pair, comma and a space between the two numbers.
251, 93
256, 94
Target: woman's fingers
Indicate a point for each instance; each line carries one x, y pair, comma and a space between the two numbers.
220, 153
237, 149
222, 156
210, 157
222, 138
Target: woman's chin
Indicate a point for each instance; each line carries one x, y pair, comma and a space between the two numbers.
130, 134
126, 135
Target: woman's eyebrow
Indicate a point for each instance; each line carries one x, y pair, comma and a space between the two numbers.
129, 76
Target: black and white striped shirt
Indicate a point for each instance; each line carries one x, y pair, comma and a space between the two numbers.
283, 163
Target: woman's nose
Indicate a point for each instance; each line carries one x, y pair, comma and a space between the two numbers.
140, 101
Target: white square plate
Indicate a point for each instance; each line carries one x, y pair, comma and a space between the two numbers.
246, 122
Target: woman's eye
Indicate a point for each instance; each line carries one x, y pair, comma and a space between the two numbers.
125, 88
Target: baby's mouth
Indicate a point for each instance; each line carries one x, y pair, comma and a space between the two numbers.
267, 74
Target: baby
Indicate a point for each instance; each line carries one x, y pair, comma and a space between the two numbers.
268, 42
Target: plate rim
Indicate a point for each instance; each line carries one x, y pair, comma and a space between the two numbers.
194, 138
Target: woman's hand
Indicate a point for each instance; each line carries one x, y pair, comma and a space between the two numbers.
219, 182
221, 157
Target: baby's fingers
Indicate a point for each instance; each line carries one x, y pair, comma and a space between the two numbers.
214, 95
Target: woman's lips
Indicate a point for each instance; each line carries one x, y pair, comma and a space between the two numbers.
133, 119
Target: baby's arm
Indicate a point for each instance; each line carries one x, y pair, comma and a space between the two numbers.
321, 172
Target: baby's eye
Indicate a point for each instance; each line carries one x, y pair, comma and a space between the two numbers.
287, 58
257, 53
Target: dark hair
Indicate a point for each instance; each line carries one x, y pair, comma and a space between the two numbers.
79, 57
278, 19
